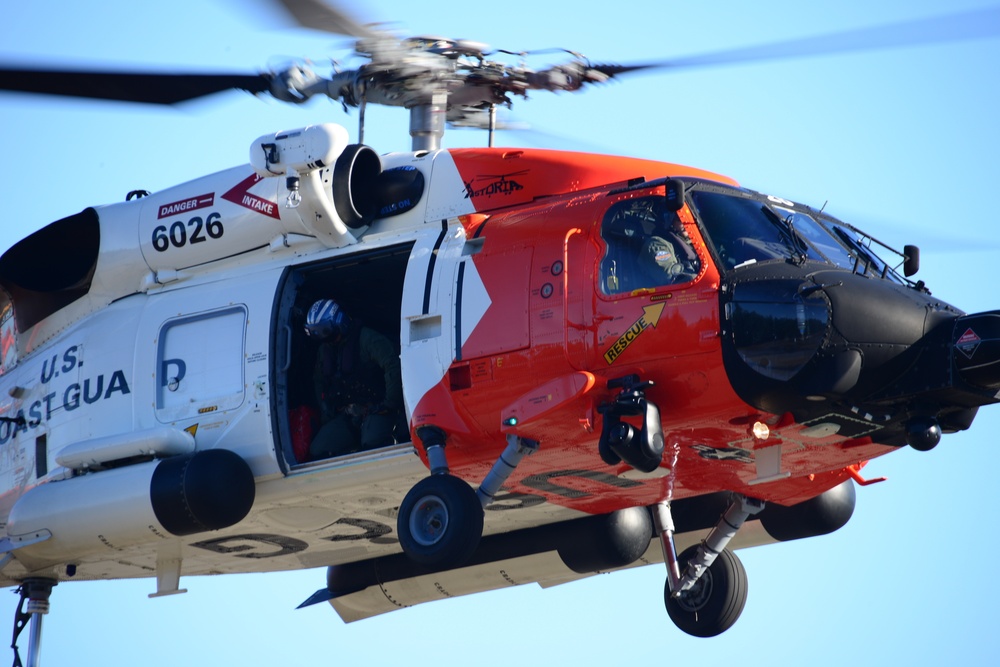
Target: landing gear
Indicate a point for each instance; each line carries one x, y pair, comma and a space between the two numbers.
715, 601
34, 605
707, 596
440, 521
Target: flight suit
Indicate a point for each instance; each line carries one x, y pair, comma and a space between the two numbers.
359, 389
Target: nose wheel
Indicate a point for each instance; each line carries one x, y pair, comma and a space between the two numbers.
706, 586
715, 601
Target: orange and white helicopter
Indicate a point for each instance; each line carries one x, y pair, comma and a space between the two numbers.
604, 360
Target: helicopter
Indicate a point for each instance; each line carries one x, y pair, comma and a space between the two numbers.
114, 385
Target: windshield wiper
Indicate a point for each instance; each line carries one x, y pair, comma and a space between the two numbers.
798, 247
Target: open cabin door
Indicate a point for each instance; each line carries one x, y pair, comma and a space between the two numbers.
368, 285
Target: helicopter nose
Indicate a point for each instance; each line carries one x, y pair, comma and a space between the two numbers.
888, 327
976, 349
826, 346
831, 335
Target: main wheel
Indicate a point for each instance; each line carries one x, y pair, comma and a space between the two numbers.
440, 522
715, 602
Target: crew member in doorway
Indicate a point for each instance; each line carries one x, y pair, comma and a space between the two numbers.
359, 386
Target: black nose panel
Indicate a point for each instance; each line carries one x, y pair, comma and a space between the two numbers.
797, 339
976, 341
873, 313
777, 326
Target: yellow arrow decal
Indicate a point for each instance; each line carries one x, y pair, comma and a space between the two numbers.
650, 317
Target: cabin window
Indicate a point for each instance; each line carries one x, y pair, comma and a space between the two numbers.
41, 456
647, 247
200, 361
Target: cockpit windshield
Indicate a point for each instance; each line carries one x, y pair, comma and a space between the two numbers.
746, 227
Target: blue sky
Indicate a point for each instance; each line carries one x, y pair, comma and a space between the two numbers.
901, 142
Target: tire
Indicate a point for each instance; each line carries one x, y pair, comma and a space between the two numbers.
440, 522
717, 599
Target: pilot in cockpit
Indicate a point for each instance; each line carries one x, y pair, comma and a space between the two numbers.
647, 247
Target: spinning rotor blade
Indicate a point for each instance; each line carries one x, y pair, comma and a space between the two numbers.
950, 27
151, 88
318, 15
407, 73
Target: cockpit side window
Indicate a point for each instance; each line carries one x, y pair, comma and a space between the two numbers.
647, 247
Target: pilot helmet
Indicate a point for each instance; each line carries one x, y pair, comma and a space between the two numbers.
326, 319
626, 225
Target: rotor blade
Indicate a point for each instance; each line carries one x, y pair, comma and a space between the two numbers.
950, 27
318, 15
151, 88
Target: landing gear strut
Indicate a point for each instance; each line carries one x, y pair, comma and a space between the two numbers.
34, 604
440, 521
707, 597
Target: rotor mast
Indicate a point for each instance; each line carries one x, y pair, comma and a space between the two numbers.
427, 119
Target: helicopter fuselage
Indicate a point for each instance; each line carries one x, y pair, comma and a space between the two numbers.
627, 319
